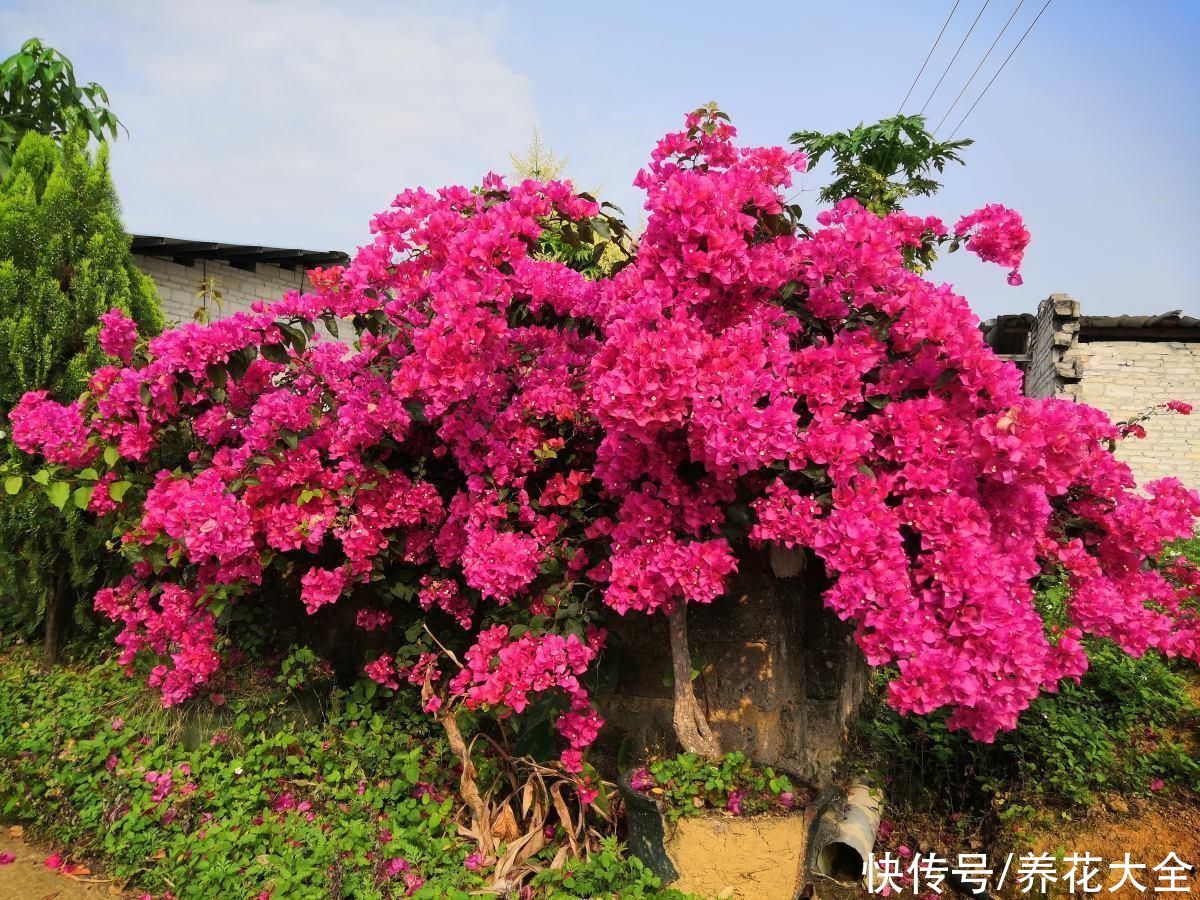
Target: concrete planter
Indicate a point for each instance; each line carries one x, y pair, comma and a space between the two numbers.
758, 857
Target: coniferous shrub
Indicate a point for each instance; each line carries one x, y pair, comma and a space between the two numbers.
64, 262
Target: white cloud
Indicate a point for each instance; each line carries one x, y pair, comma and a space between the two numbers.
291, 123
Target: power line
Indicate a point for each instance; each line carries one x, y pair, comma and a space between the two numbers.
928, 56
980, 66
1001, 69
946, 71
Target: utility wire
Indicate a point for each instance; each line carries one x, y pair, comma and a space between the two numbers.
946, 71
1001, 69
980, 66
928, 56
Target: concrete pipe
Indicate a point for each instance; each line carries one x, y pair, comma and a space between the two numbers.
845, 834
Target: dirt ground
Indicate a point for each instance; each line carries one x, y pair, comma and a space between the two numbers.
1147, 831
27, 878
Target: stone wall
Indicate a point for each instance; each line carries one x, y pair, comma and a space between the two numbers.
178, 284
1123, 369
1054, 332
1123, 378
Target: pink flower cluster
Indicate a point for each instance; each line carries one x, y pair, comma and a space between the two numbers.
501, 674
319, 587
118, 335
519, 450
996, 234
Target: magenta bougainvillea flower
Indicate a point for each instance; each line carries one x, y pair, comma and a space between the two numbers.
118, 335
519, 450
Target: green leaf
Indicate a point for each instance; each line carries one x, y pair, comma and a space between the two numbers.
12, 484
111, 456
240, 361
83, 496
275, 353
42, 476
59, 493
117, 490
295, 337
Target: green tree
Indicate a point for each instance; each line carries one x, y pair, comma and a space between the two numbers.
64, 261
538, 161
596, 251
884, 164
39, 93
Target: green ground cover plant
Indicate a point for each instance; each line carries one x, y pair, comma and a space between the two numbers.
690, 785
292, 788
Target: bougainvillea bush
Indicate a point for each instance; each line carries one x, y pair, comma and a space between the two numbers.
520, 450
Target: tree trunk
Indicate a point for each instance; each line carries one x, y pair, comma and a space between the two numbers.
691, 725
58, 611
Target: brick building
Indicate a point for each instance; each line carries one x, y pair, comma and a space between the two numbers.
1121, 364
241, 273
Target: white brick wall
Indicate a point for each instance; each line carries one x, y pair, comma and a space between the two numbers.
1123, 378
178, 284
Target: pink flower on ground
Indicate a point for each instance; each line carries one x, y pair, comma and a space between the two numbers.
54, 861
734, 804
394, 867
6, 858
474, 862
641, 780
118, 723
1156, 784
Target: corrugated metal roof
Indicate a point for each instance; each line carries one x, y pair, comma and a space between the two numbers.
242, 256
1172, 319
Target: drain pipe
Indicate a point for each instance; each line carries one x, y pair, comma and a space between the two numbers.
842, 837
844, 834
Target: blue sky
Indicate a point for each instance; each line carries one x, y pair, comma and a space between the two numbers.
290, 123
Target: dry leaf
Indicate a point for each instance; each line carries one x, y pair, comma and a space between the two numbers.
16, 831
564, 815
559, 858
505, 829
527, 798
